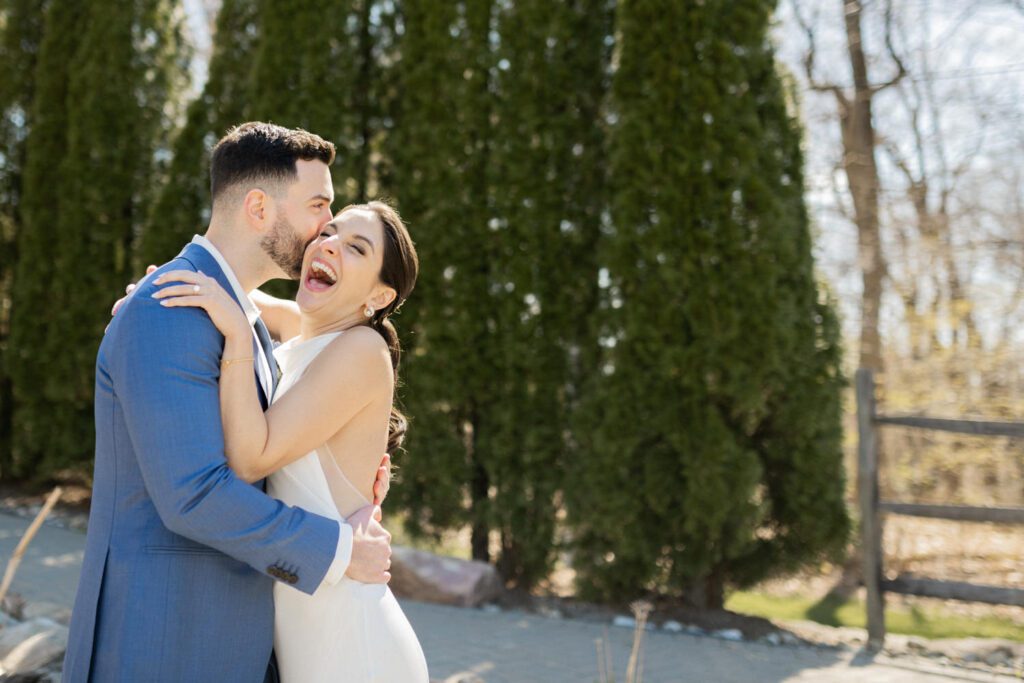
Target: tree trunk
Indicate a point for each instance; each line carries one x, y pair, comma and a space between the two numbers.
479, 492
862, 176
480, 536
858, 134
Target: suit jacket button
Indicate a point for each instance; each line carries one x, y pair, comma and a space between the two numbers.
293, 579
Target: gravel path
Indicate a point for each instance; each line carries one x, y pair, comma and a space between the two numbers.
496, 646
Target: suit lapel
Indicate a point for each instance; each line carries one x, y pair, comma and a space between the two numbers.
204, 261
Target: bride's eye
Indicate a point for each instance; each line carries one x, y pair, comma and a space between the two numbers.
358, 249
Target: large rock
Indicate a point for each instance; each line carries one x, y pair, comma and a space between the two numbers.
419, 575
31, 645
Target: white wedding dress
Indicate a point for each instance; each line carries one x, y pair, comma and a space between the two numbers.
351, 632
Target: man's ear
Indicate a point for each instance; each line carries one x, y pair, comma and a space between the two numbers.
256, 207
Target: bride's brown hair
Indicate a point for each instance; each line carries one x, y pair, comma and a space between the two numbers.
399, 269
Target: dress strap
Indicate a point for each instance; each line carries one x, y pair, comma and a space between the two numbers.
347, 498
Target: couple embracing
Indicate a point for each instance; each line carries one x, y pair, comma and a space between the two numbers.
235, 533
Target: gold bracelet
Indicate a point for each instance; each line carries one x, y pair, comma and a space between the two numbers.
226, 363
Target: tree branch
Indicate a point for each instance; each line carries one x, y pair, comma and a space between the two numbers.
809, 57
901, 69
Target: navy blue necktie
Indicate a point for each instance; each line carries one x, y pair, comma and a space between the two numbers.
268, 348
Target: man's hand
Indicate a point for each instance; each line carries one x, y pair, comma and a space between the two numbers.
382, 484
127, 291
371, 547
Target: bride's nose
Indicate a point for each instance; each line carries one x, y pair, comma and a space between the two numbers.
330, 245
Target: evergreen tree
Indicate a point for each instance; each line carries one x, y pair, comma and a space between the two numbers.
711, 429
34, 299
547, 187
800, 438
21, 28
438, 150
85, 196
182, 207
496, 155
305, 67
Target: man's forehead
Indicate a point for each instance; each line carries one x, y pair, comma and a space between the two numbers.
314, 178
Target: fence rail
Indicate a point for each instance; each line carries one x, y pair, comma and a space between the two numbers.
938, 424
960, 513
955, 590
868, 422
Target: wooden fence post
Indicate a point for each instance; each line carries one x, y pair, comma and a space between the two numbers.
870, 521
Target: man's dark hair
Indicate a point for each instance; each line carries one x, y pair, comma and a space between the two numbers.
257, 151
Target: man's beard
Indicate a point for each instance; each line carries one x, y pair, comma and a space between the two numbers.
285, 248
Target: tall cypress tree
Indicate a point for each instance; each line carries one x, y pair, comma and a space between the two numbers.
799, 441
319, 67
183, 204
501, 179
86, 199
34, 298
21, 30
714, 412
439, 159
547, 186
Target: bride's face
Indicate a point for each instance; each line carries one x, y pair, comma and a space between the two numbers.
341, 268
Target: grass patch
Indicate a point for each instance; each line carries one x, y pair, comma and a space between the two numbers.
916, 621
449, 544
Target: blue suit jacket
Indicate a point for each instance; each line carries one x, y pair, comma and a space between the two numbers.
180, 555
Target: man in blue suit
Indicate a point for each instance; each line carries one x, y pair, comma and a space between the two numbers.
181, 554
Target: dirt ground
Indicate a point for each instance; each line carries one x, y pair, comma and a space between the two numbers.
979, 553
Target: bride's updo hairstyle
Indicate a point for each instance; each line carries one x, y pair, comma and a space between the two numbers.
398, 270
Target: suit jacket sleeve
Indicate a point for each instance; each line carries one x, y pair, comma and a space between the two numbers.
165, 375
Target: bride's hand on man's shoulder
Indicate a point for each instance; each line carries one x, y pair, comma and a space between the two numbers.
202, 291
128, 290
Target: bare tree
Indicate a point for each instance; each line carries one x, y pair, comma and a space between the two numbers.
943, 201
854, 105
932, 180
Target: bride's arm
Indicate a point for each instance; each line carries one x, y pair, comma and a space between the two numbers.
281, 316
350, 373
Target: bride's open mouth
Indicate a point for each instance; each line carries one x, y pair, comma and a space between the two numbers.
320, 277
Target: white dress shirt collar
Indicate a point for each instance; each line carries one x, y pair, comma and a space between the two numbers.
248, 307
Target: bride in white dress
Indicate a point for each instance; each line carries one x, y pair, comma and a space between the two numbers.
320, 441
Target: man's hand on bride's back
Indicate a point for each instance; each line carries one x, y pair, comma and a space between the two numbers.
371, 547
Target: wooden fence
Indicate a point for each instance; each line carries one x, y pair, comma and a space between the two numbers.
868, 422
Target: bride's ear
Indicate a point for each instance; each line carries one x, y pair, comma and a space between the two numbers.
382, 298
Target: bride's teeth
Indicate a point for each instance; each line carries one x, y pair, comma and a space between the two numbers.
316, 265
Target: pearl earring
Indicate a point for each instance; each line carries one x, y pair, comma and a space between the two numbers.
368, 312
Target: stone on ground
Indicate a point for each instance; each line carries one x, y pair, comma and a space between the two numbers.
419, 575
31, 645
